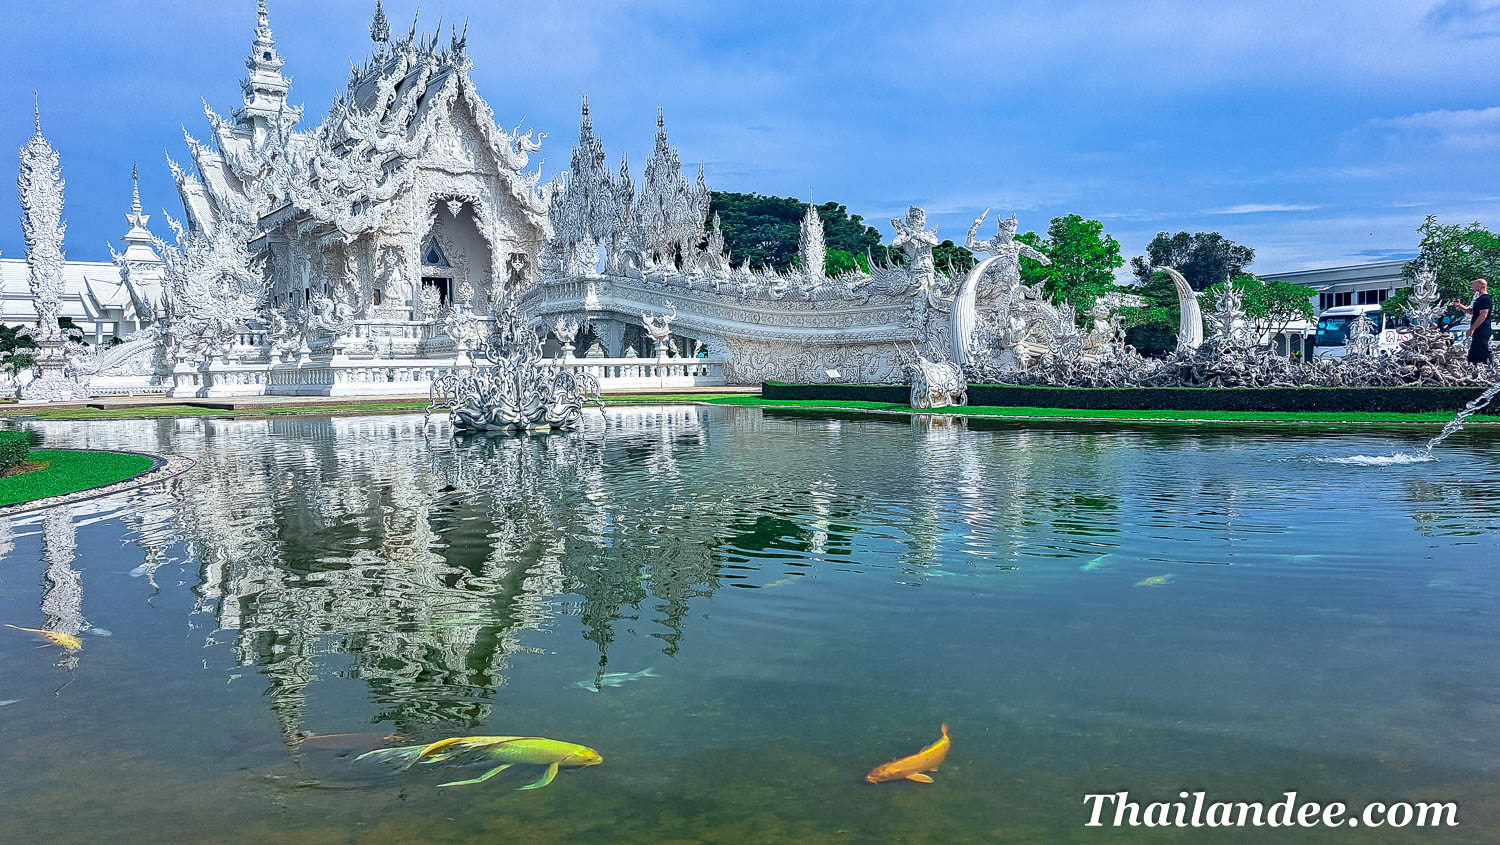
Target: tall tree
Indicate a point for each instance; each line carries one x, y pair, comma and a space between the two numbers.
949, 252
1459, 255
1203, 258
1152, 328
764, 229
1084, 260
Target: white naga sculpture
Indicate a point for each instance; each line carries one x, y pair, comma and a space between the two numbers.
936, 383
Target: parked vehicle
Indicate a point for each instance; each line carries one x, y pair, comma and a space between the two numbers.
1333, 329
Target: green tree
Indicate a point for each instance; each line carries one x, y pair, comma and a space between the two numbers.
764, 229
949, 252
1152, 328
1459, 255
1203, 258
14, 354
842, 261
1084, 260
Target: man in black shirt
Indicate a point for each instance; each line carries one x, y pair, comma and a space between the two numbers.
1479, 321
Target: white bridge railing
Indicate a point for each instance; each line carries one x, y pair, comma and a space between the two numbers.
351, 376
614, 373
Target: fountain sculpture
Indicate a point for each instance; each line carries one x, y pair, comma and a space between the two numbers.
511, 387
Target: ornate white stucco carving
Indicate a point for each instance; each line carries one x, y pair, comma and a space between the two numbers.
659, 329
40, 190
669, 213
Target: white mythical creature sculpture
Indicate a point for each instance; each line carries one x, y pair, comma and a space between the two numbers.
659, 328
566, 328
917, 241
514, 388
1109, 319
1231, 327
998, 277
212, 288
935, 383
1361, 340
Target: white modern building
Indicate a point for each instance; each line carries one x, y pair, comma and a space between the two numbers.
1344, 293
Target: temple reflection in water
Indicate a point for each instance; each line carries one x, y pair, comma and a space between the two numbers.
380, 548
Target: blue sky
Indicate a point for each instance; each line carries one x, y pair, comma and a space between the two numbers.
1318, 133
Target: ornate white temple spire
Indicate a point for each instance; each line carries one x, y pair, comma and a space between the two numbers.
669, 213
380, 28
812, 253
138, 246
40, 187
264, 89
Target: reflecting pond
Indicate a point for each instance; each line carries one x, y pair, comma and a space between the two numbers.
1090, 609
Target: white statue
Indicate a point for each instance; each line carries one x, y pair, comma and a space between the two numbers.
659, 329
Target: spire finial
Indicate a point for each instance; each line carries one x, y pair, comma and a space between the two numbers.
261, 13
380, 28
660, 121
585, 104
135, 188
36, 105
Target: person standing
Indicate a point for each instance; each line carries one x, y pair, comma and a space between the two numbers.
1479, 313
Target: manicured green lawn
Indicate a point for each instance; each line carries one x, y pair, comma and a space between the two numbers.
69, 472
1313, 417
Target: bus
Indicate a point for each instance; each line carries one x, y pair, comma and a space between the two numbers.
1333, 329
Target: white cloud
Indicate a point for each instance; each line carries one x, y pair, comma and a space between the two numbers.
1257, 208
1468, 130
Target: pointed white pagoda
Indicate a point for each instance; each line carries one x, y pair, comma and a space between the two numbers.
138, 246
40, 189
265, 89
141, 267
812, 253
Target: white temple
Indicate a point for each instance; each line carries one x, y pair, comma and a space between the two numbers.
365, 255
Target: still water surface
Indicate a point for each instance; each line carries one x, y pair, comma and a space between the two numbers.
813, 595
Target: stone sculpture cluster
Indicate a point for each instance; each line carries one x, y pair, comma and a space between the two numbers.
1231, 356
515, 388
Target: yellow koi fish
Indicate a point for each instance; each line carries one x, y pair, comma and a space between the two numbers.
67, 641
912, 768
512, 750
1154, 581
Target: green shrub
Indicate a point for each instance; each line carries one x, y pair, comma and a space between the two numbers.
1291, 399
14, 446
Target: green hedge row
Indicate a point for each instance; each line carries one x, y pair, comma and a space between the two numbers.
1387, 399
14, 446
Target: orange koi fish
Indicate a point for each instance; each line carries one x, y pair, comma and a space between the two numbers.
67, 641
912, 768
